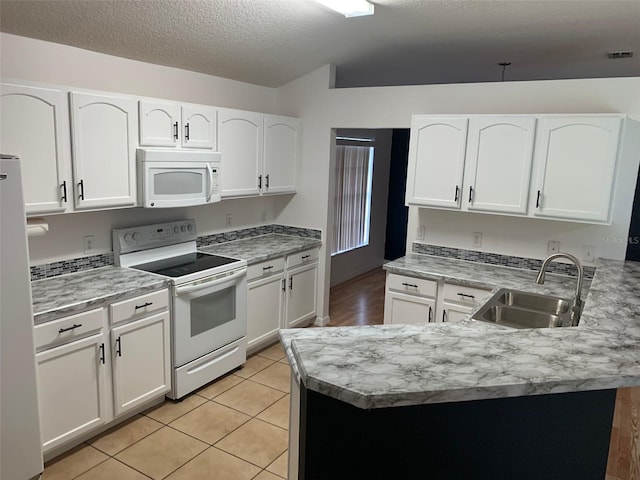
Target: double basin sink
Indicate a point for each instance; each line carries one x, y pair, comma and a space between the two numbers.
517, 309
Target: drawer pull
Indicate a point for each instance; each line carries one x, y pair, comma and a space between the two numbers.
264, 269
143, 306
74, 326
409, 285
466, 295
304, 257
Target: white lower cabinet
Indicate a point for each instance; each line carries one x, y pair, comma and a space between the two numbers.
264, 309
417, 300
141, 357
402, 308
301, 295
72, 365
281, 294
88, 375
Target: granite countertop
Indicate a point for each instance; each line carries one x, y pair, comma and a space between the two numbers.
263, 247
397, 365
57, 297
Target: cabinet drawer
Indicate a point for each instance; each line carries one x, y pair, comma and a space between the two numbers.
464, 295
264, 269
139, 306
307, 256
67, 329
412, 285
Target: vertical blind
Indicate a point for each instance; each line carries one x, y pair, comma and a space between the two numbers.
354, 167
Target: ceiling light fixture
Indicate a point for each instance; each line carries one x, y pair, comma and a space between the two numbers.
349, 8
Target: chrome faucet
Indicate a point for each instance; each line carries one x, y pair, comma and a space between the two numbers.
576, 310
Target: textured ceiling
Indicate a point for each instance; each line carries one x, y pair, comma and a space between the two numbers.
270, 42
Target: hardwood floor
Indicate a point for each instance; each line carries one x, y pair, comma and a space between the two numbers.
360, 301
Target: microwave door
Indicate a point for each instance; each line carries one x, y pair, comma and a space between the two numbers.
177, 187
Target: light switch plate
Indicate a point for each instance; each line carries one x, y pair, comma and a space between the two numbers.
588, 253
553, 247
476, 240
420, 234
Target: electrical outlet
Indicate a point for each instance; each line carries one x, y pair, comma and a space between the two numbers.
227, 221
553, 247
89, 243
588, 253
420, 234
263, 216
476, 241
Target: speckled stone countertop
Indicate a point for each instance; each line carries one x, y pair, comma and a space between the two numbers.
397, 365
56, 297
263, 247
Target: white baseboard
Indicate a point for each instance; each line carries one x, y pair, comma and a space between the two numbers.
322, 321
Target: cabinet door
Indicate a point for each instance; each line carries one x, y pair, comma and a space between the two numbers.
141, 361
281, 152
71, 390
576, 160
264, 309
240, 142
454, 313
301, 295
35, 126
198, 126
436, 161
104, 139
498, 165
400, 308
159, 124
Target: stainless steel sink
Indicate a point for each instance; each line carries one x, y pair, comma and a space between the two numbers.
516, 309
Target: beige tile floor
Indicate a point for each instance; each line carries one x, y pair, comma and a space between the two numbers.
232, 429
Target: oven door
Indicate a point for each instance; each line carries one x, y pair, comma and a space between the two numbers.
166, 184
208, 314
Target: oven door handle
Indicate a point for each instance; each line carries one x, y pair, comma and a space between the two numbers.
210, 173
211, 283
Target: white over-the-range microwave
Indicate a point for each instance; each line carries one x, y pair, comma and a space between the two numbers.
177, 177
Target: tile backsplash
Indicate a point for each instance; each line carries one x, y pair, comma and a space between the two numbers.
499, 259
38, 272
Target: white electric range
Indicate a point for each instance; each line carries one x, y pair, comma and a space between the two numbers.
209, 299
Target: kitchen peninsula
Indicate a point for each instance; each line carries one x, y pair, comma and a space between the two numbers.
467, 400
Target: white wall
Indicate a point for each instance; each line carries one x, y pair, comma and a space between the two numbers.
323, 108
355, 262
33, 60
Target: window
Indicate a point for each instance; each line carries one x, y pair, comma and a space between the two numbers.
354, 173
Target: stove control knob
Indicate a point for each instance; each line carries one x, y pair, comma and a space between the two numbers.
176, 229
127, 237
190, 227
136, 236
183, 229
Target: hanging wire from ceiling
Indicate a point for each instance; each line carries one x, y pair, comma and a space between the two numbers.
504, 66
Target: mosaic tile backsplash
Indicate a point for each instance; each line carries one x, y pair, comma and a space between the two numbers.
38, 272
498, 259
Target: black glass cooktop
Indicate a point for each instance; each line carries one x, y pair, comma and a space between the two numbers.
185, 264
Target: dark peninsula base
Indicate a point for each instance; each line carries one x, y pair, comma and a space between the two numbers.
559, 436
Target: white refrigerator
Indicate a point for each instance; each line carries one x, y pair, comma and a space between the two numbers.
20, 444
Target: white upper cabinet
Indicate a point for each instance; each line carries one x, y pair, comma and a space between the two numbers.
498, 164
436, 161
34, 125
198, 126
170, 124
576, 162
281, 152
240, 142
159, 124
104, 142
